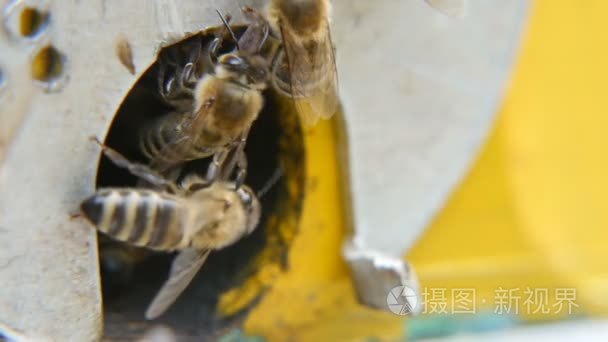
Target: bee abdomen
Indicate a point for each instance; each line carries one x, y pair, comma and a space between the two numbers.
140, 217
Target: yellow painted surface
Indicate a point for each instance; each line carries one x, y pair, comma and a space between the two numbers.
532, 213
284, 223
555, 123
314, 300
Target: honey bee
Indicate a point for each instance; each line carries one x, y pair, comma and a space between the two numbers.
305, 67
194, 218
224, 105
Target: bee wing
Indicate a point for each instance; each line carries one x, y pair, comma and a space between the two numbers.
184, 268
185, 127
453, 8
194, 121
313, 78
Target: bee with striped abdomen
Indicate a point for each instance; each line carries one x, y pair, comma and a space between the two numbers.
194, 217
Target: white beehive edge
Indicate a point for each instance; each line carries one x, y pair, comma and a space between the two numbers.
48, 262
420, 91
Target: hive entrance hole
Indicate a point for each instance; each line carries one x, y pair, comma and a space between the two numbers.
127, 290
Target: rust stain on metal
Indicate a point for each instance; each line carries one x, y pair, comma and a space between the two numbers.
125, 54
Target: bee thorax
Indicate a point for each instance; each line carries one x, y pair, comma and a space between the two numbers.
222, 222
234, 106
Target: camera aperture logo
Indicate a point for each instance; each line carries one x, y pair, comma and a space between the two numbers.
402, 300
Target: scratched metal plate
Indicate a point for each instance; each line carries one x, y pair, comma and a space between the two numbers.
419, 93
48, 262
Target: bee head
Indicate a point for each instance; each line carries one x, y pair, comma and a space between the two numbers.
249, 70
251, 204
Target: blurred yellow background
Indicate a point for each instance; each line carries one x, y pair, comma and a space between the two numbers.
533, 212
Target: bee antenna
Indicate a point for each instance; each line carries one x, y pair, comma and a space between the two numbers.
272, 181
225, 22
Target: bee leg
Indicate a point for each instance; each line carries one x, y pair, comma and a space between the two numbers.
161, 80
237, 160
216, 44
189, 74
182, 77
140, 170
240, 158
214, 48
186, 82
241, 165
168, 88
166, 82
214, 169
176, 79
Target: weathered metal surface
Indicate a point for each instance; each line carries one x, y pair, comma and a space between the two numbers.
375, 275
419, 91
48, 262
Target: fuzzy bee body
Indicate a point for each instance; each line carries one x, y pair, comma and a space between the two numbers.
224, 102
195, 219
209, 218
225, 110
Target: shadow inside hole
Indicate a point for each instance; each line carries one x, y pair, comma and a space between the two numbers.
32, 22
131, 277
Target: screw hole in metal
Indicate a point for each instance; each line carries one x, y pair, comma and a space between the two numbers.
48, 67
32, 22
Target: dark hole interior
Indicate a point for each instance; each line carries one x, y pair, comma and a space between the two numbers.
131, 276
